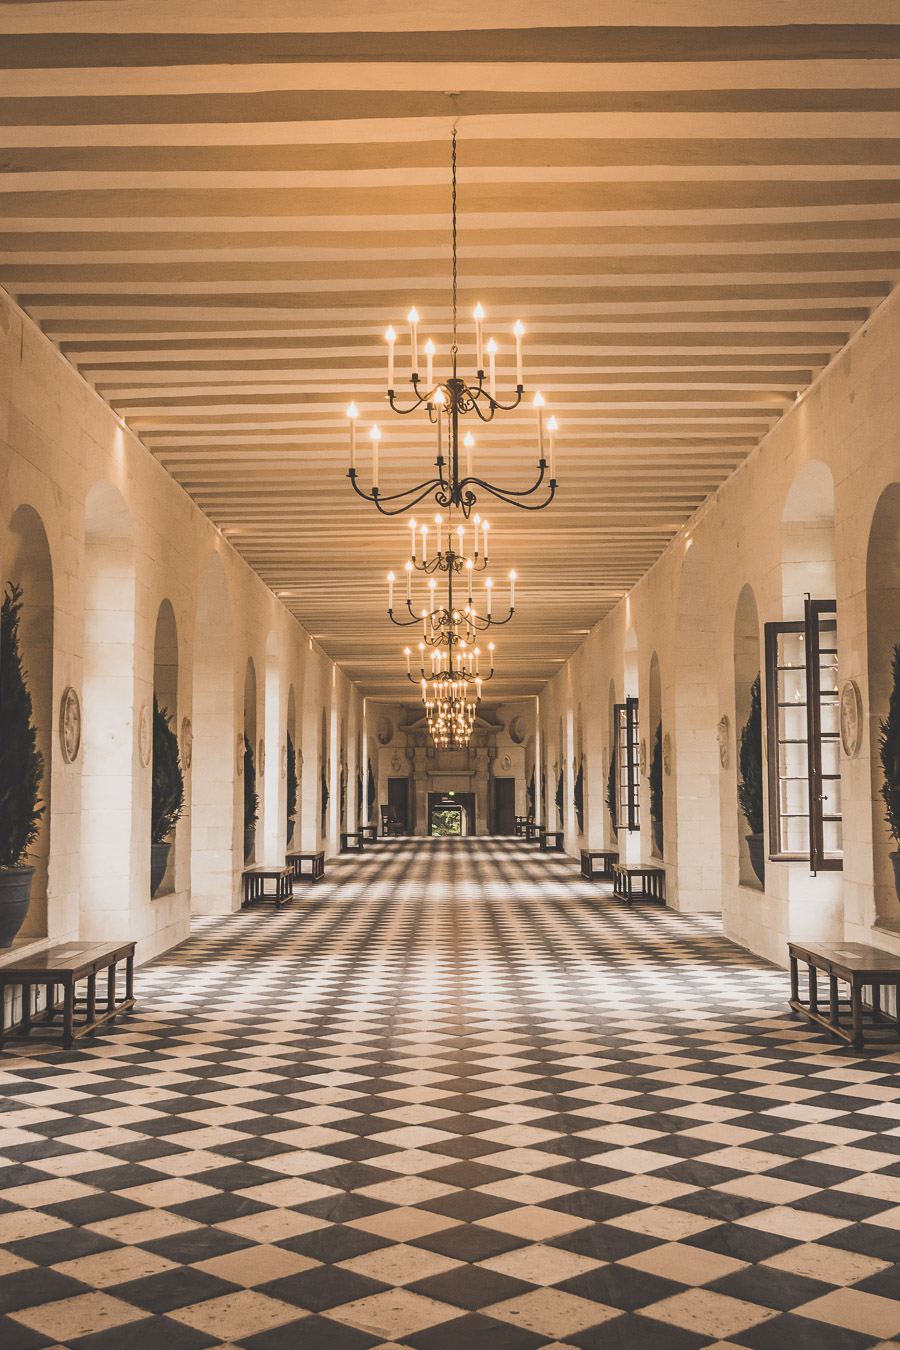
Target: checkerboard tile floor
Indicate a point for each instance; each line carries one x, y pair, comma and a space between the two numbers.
453, 1099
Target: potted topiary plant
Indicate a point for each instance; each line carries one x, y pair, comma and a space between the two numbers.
251, 800
656, 790
530, 790
611, 804
560, 799
167, 802
325, 796
578, 797
372, 792
750, 786
889, 752
291, 787
21, 771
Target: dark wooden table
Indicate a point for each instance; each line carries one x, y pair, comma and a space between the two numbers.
652, 879
532, 830
544, 841
607, 856
295, 860
255, 879
65, 966
859, 967
369, 832
357, 836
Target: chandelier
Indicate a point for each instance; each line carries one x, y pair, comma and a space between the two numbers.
450, 696
451, 724
445, 623
445, 402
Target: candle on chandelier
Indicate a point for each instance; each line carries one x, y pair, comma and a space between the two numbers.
539, 404
425, 624
477, 655
409, 568
439, 402
552, 428
491, 650
352, 414
484, 530
468, 443
413, 318
406, 651
459, 541
391, 578
469, 565
479, 348
477, 523
438, 522
519, 332
412, 526
390, 338
488, 586
375, 434
424, 544
492, 364
512, 590
429, 358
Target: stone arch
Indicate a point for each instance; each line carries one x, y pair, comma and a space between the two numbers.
883, 633
272, 793
654, 720
698, 823
807, 539
31, 567
292, 748
165, 689
747, 668
249, 738
214, 810
108, 700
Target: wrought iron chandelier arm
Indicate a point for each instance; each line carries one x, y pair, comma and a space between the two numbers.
407, 499
514, 498
494, 405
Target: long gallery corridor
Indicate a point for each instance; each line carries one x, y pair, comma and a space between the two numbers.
452, 1098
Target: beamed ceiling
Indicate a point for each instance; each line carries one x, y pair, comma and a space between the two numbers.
215, 209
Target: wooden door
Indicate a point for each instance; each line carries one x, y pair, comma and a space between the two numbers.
398, 798
504, 806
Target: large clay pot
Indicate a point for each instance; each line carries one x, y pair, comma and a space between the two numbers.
249, 842
15, 895
895, 859
657, 829
756, 846
159, 861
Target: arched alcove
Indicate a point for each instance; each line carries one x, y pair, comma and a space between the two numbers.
747, 667
213, 770
251, 783
165, 690
807, 539
610, 833
292, 769
579, 772
324, 776
698, 831
272, 783
107, 699
629, 839
31, 567
654, 759
883, 633
342, 776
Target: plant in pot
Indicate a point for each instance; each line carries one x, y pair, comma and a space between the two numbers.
167, 802
656, 790
530, 790
325, 796
251, 800
21, 771
750, 785
560, 800
611, 804
889, 752
291, 787
578, 798
373, 791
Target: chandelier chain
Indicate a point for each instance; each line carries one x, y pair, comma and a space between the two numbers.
454, 348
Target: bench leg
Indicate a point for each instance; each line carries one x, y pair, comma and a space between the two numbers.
26, 1009
856, 1013
835, 1013
129, 979
111, 992
68, 1014
876, 1002
3, 1013
813, 991
795, 982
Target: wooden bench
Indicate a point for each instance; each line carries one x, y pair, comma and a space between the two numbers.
589, 856
369, 832
532, 831
858, 966
550, 841
66, 966
255, 878
357, 836
521, 822
651, 877
295, 860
